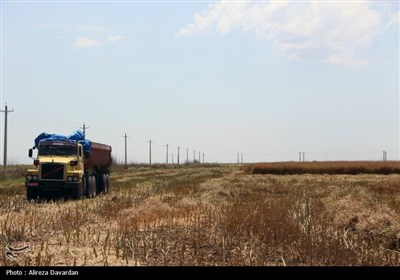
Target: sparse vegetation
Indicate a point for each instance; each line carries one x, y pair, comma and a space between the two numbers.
210, 215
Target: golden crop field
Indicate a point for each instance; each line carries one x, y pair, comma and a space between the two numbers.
209, 215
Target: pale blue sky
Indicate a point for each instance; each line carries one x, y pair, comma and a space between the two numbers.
266, 79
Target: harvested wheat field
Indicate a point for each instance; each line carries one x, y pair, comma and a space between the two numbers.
209, 215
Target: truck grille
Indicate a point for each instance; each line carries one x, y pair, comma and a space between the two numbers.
51, 171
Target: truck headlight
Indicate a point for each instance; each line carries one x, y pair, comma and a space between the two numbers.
29, 177
34, 177
72, 179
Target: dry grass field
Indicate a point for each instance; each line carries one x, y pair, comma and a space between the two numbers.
324, 167
206, 216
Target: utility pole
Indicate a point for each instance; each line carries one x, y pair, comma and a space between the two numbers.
304, 158
194, 156
178, 155
84, 127
203, 158
172, 156
6, 111
167, 152
199, 157
241, 157
187, 156
238, 158
384, 156
126, 149
299, 156
150, 152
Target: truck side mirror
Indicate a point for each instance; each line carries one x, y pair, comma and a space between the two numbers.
30, 153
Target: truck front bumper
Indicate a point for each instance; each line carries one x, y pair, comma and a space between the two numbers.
51, 186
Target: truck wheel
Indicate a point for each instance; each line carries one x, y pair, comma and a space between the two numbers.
104, 183
84, 185
78, 191
89, 186
31, 194
108, 182
94, 188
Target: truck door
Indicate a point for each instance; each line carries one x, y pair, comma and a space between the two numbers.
80, 158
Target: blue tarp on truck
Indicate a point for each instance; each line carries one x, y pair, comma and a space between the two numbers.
77, 136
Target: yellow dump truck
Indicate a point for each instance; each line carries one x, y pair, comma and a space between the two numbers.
63, 165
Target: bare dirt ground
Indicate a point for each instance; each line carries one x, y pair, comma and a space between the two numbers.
209, 215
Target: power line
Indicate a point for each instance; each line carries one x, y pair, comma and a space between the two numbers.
42, 120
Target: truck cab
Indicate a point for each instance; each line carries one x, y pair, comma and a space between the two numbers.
59, 167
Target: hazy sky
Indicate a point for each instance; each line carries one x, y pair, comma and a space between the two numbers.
268, 79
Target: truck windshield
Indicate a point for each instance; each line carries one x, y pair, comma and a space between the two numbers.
57, 150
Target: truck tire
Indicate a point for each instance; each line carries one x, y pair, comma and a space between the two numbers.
84, 185
89, 185
31, 194
104, 184
108, 182
78, 191
94, 187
